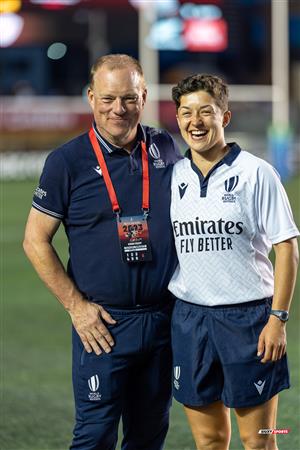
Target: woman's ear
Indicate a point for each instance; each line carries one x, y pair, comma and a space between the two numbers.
226, 118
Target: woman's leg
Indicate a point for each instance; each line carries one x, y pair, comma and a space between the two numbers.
251, 420
210, 426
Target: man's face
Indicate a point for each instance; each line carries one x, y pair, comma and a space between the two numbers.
117, 100
201, 121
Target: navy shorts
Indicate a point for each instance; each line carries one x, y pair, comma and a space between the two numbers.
215, 355
134, 382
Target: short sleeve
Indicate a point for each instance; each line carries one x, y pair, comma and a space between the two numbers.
273, 210
52, 194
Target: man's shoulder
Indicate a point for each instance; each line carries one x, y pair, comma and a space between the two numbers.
70, 150
154, 132
161, 144
74, 145
158, 135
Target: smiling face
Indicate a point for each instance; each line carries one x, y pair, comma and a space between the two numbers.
117, 98
201, 122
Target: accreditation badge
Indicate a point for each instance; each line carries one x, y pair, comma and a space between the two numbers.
134, 239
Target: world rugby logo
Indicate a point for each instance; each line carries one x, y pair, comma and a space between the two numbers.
93, 383
176, 376
231, 183
154, 152
177, 372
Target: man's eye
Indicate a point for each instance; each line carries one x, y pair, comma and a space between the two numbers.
107, 99
206, 112
131, 99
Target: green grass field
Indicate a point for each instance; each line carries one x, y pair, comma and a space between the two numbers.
36, 392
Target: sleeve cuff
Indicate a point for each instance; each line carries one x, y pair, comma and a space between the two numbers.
47, 211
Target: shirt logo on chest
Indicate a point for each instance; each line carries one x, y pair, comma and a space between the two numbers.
182, 188
98, 170
230, 184
155, 153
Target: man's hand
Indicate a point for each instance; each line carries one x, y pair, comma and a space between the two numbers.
86, 317
272, 340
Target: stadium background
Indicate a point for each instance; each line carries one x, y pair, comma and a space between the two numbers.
47, 47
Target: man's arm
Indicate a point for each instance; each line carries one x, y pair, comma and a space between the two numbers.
272, 340
86, 316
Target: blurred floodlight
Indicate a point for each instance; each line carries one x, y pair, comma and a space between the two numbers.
166, 35
206, 35
194, 27
10, 6
57, 50
11, 26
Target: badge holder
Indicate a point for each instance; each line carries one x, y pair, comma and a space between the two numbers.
134, 238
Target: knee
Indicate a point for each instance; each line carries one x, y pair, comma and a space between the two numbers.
93, 436
260, 442
218, 440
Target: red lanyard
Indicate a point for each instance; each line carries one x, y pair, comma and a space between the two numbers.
110, 188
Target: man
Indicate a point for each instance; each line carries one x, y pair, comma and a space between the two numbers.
228, 327
110, 188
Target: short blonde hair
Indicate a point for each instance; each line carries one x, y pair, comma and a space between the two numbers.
115, 61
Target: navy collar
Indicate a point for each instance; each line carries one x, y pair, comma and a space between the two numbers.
228, 159
110, 148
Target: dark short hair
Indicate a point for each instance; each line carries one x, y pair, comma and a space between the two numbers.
211, 84
115, 61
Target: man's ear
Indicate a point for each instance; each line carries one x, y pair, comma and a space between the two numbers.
226, 118
144, 96
90, 96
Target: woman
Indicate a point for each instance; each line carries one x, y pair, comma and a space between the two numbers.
228, 328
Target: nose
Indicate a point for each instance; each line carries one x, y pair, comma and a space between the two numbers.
197, 119
118, 106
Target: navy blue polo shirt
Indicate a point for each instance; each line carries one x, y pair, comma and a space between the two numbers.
72, 189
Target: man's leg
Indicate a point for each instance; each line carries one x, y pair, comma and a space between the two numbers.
210, 426
146, 410
148, 397
98, 385
251, 420
95, 436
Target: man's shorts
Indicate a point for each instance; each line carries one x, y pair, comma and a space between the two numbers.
215, 355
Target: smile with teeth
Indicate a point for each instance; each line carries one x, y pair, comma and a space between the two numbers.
197, 134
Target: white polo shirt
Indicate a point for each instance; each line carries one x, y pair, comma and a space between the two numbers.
224, 226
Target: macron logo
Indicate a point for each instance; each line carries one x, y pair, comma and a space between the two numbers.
260, 386
98, 170
182, 188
